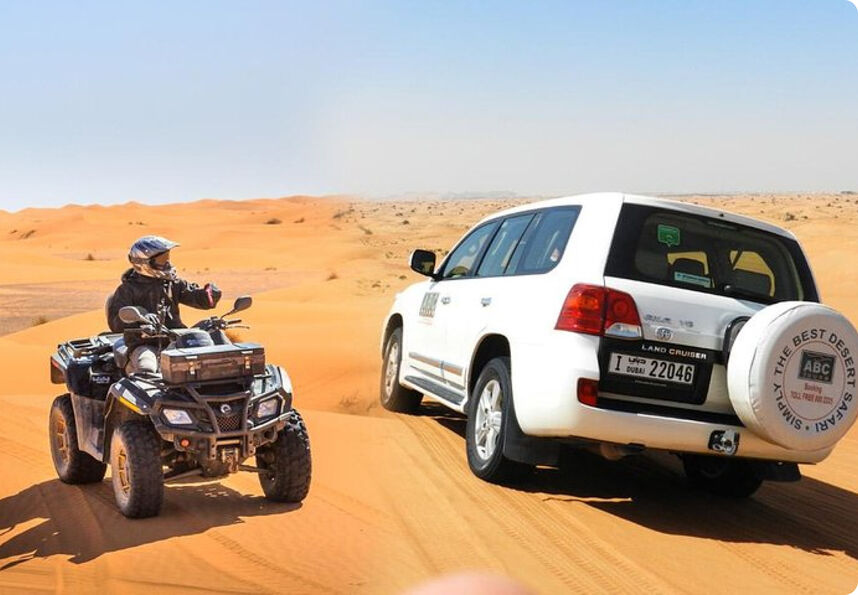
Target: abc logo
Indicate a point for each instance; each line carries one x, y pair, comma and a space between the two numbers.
817, 367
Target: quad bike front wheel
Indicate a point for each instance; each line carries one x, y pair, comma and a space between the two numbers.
72, 464
135, 463
286, 463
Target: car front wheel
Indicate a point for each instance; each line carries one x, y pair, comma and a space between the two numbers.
394, 396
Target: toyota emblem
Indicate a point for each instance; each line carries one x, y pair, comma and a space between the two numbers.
225, 409
664, 333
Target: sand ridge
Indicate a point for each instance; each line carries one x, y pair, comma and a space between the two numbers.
392, 501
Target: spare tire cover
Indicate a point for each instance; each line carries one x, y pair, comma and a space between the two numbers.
792, 373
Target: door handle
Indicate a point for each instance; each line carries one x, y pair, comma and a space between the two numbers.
445, 299
486, 301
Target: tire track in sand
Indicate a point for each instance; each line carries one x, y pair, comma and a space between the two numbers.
582, 567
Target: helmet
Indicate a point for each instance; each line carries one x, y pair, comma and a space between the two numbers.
142, 257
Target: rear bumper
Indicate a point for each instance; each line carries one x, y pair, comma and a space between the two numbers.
670, 434
545, 379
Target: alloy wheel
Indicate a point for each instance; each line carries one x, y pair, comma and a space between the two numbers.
489, 417
392, 369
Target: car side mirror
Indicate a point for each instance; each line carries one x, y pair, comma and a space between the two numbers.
241, 303
423, 262
132, 314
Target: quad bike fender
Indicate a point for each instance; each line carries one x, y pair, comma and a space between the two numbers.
58, 370
89, 421
125, 401
125, 393
285, 385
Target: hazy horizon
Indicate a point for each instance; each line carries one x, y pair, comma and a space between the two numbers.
104, 104
450, 196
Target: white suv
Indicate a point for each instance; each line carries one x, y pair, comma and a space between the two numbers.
606, 321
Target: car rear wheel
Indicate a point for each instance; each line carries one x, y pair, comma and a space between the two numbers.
489, 407
135, 464
723, 476
394, 396
72, 464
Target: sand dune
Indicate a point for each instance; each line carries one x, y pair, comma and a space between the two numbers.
392, 501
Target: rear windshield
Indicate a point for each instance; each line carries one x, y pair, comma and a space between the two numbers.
708, 255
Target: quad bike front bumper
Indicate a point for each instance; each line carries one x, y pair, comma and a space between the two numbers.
208, 426
223, 452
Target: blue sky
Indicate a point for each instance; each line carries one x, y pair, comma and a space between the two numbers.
159, 102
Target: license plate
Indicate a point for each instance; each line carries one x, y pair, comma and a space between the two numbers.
650, 368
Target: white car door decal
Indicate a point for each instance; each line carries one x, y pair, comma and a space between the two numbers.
427, 308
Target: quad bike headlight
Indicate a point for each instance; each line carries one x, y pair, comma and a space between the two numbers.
177, 417
267, 408
258, 386
267, 383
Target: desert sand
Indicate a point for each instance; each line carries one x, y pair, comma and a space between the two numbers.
392, 501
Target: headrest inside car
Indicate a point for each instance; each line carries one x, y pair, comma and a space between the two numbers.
750, 281
688, 266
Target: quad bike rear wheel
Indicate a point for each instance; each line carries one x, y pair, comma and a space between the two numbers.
286, 463
135, 463
72, 464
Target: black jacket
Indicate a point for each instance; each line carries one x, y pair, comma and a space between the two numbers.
149, 293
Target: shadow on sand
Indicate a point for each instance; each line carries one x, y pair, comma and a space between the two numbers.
83, 521
651, 491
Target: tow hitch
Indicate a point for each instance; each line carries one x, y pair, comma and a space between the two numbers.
229, 457
726, 442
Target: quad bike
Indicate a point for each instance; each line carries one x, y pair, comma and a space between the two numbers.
213, 405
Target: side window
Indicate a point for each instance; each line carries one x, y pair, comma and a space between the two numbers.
542, 246
462, 260
504, 243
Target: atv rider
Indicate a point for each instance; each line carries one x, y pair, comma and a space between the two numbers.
153, 285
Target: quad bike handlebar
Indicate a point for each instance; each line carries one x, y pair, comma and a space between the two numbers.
135, 314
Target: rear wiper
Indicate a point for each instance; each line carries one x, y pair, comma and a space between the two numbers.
748, 294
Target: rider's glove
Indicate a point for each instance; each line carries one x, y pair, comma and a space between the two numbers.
153, 320
213, 293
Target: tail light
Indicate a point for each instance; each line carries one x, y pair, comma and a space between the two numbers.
597, 310
588, 391
583, 311
621, 316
